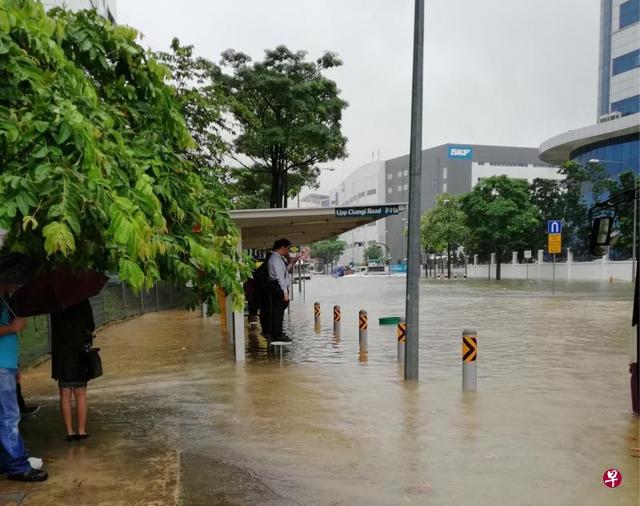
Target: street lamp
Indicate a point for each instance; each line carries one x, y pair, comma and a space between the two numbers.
635, 209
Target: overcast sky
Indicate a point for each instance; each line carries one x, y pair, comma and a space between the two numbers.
499, 72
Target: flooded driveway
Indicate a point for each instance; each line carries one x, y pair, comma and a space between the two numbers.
551, 414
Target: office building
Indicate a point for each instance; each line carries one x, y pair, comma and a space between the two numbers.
449, 168
615, 139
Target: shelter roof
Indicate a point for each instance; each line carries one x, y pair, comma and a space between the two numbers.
261, 227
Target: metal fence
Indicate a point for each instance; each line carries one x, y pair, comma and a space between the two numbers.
115, 302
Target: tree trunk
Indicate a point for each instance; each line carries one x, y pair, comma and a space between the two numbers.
285, 190
498, 263
449, 261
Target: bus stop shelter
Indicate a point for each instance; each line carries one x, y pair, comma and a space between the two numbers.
259, 228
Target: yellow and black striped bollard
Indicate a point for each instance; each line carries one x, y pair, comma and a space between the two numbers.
469, 356
363, 328
316, 316
402, 338
337, 316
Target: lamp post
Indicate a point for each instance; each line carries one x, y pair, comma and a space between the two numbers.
635, 209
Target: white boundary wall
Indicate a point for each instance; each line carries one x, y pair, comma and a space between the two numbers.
603, 270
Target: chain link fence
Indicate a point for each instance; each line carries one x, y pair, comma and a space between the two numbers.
115, 302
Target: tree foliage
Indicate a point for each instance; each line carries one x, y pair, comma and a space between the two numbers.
92, 144
202, 104
287, 115
500, 215
374, 252
328, 250
444, 225
443, 228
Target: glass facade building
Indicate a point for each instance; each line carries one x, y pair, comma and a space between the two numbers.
624, 150
616, 135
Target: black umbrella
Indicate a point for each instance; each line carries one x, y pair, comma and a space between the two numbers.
56, 290
16, 268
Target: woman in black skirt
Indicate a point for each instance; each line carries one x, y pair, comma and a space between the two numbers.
71, 335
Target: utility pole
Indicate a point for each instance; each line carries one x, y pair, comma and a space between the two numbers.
415, 175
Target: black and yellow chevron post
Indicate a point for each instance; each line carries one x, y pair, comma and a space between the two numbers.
337, 316
402, 338
316, 316
363, 330
469, 359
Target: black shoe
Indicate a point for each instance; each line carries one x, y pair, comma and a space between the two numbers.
71, 437
29, 410
283, 338
80, 437
30, 475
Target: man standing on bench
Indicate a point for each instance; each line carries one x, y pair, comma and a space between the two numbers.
278, 287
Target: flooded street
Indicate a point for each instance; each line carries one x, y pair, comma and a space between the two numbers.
174, 420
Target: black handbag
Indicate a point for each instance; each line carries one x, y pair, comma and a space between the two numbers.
94, 363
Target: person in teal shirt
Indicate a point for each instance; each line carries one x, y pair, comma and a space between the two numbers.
13, 457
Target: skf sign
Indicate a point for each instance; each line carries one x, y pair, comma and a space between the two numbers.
460, 152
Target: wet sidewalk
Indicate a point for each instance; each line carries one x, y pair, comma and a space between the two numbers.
174, 421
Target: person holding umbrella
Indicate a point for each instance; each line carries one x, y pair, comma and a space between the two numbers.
64, 293
71, 337
13, 457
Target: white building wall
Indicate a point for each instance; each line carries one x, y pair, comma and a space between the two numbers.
531, 172
364, 186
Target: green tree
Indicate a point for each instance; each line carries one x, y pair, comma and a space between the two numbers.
92, 145
374, 252
627, 181
443, 227
328, 250
500, 215
202, 104
288, 117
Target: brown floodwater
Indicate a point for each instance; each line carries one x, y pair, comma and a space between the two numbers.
324, 425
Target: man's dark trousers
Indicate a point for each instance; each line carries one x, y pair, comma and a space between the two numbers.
265, 313
278, 305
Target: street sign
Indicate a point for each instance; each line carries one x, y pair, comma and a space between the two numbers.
555, 243
554, 227
366, 211
527, 254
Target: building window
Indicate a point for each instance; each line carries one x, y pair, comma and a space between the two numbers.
629, 13
405, 172
627, 106
389, 190
371, 192
406, 187
360, 195
444, 172
444, 188
399, 187
626, 62
389, 176
399, 173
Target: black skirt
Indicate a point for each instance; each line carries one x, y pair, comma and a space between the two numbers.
71, 331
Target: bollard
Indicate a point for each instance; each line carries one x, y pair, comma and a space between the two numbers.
316, 315
336, 320
469, 356
363, 326
402, 337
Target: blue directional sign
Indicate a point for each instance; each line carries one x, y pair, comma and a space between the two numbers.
554, 227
